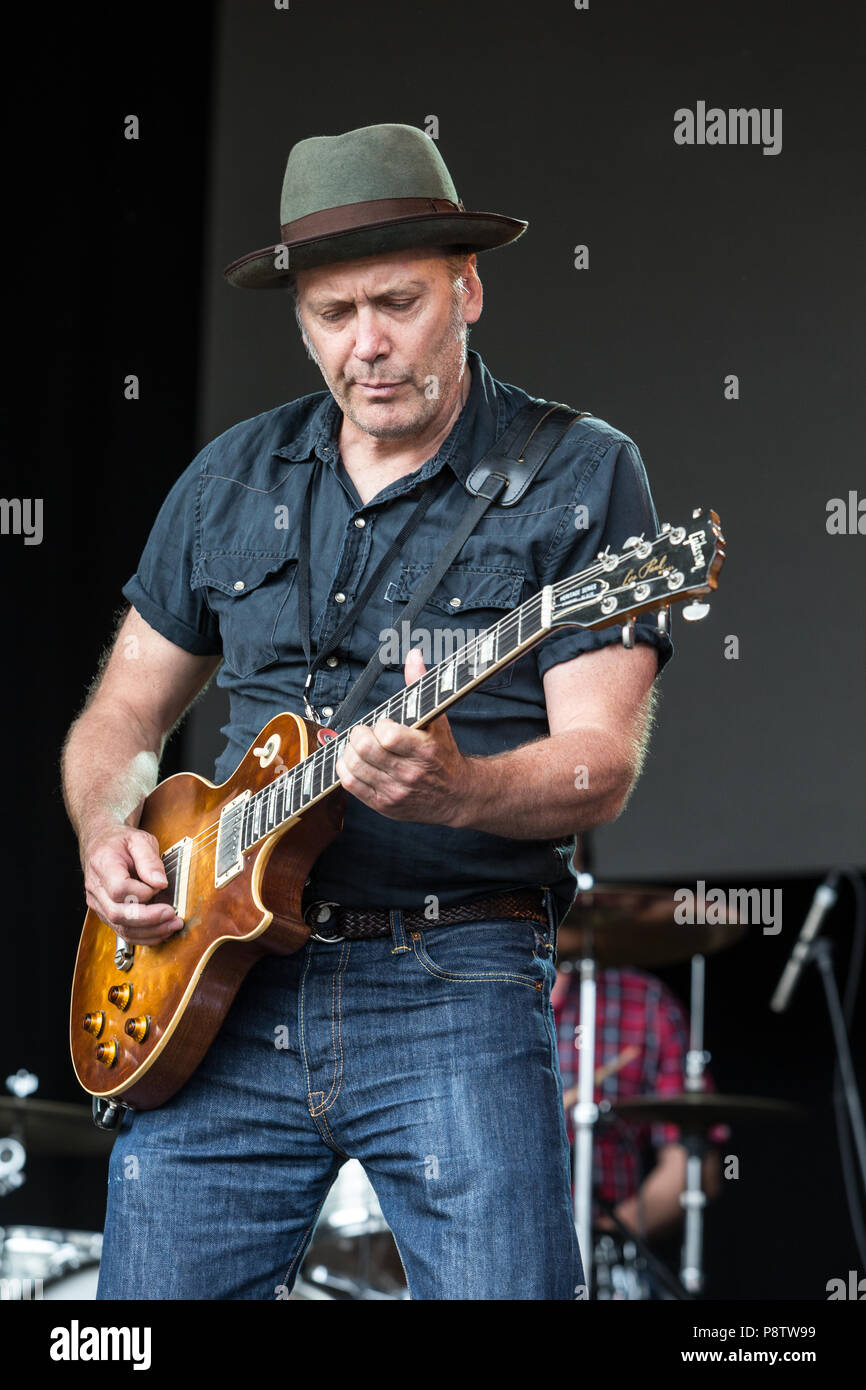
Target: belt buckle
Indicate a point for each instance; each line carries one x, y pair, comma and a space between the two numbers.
319, 908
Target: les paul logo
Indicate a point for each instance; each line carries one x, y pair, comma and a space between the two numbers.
656, 567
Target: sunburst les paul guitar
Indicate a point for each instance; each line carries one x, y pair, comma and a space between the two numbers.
237, 856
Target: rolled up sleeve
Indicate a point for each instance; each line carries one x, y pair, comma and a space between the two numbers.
160, 589
616, 496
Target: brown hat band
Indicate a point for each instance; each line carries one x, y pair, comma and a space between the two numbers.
351, 215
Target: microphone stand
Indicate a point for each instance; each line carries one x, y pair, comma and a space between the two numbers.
821, 952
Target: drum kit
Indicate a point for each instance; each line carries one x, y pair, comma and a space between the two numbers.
41, 1262
610, 926
352, 1255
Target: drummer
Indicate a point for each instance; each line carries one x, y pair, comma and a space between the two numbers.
641, 1042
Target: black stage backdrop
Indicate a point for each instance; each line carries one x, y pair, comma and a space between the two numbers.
704, 262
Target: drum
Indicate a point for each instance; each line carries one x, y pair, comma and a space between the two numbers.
352, 1254
619, 1271
40, 1262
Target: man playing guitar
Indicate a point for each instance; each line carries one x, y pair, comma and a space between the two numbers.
414, 1031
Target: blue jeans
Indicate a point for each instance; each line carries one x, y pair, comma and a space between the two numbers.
430, 1056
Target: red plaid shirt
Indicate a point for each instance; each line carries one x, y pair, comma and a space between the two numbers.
633, 1009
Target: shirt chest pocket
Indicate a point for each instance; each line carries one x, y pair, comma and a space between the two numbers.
468, 601
247, 594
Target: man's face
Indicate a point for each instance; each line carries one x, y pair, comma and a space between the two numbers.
388, 334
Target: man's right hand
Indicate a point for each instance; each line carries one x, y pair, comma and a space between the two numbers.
122, 873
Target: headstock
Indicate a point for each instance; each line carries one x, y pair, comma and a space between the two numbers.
681, 562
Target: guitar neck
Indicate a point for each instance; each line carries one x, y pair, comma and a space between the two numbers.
414, 706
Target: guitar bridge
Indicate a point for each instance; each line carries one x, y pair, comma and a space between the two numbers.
175, 862
229, 859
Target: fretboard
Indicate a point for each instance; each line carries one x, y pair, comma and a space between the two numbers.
414, 706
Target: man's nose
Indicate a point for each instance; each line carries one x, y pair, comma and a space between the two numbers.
371, 340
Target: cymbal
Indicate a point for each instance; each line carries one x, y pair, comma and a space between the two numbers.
698, 1111
621, 924
52, 1127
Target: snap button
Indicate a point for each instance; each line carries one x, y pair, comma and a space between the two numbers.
239, 584
327, 711
339, 598
456, 602
323, 914
360, 523
331, 661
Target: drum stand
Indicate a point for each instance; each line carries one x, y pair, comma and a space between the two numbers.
585, 1114
694, 1199
656, 1266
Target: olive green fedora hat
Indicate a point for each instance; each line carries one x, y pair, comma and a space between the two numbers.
376, 189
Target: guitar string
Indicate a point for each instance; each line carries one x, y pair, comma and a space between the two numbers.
424, 684
309, 764
430, 678
210, 834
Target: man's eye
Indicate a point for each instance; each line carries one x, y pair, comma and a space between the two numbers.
335, 314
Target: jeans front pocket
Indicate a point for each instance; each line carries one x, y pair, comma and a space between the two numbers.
481, 952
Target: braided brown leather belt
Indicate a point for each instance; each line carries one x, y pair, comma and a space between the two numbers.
330, 922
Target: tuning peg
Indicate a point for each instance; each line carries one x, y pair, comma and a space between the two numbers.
628, 634
695, 612
663, 618
632, 542
665, 528
696, 511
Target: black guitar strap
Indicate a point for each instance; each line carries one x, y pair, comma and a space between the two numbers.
502, 476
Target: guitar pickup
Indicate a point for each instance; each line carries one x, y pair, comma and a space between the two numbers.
229, 859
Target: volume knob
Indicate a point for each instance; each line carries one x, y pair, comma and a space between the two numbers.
94, 1023
120, 995
106, 1053
137, 1028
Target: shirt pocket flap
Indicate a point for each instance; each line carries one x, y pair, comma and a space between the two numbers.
237, 573
247, 593
462, 587
469, 600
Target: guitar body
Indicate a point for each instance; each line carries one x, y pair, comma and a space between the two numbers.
180, 990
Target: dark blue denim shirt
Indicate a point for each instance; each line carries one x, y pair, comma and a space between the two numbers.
219, 575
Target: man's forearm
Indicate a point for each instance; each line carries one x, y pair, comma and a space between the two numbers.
656, 1208
109, 765
568, 782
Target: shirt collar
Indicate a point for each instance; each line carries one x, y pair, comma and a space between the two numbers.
478, 425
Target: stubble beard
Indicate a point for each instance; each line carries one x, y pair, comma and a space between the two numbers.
451, 370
